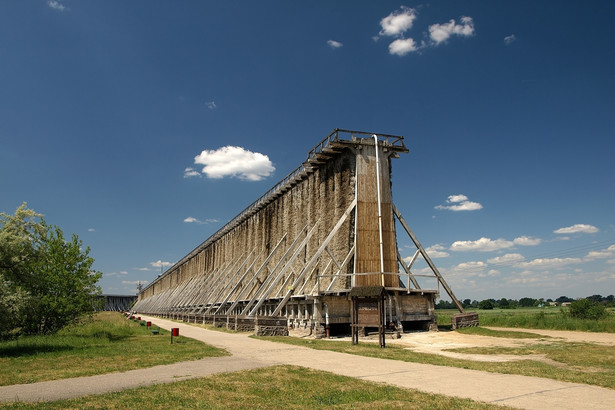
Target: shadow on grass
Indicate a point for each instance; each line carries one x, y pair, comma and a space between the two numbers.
32, 349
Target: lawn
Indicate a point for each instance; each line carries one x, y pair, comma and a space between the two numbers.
278, 387
107, 343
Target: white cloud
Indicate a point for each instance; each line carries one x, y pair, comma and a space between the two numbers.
460, 202
160, 263
135, 282
509, 39
142, 269
527, 241
123, 272
507, 258
235, 162
198, 221
56, 5
604, 253
334, 44
211, 105
578, 228
437, 251
442, 32
191, 172
547, 263
481, 245
91, 230
402, 46
398, 22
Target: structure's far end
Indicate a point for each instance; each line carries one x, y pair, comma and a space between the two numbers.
316, 253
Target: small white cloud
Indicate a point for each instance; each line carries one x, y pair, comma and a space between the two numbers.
527, 241
142, 269
547, 263
123, 272
135, 282
398, 22
402, 46
506, 259
234, 162
459, 202
56, 5
211, 105
578, 228
509, 39
437, 251
191, 172
198, 221
441, 32
91, 230
334, 44
160, 264
602, 254
481, 245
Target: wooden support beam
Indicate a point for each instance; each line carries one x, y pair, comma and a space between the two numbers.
316, 256
407, 268
427, 259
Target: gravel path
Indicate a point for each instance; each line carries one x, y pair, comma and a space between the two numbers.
517, 391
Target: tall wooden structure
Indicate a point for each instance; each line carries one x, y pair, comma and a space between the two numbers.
292, 258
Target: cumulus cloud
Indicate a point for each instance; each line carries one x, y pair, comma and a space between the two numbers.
459, 202
234, 162
481, 245
56, 5
546, 263
437, 251
439, 33
198, 221
509, 39
91, 230
527, 241
398, 22
578, 228
211, 105
334, 44
402, 46
191, 172
160, 264
601, 254
506, 259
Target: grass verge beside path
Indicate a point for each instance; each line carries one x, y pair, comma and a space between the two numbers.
109, 343
601, 373
272, 387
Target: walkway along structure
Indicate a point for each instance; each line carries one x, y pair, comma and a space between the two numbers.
310, 254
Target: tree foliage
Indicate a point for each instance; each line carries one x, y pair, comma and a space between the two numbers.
46, 281
587, 309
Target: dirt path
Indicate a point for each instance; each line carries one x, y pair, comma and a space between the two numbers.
517, 391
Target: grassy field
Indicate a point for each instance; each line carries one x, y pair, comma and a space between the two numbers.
533, 318
277, 387
578, 363
108, 343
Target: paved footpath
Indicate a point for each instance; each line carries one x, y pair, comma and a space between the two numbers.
517, 391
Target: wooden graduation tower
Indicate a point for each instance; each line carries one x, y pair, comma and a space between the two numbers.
310, 254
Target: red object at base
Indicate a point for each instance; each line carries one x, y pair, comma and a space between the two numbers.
175, 331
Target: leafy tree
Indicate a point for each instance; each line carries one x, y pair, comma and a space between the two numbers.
486, 304
563, 299
528, 302
48, 277
587, 309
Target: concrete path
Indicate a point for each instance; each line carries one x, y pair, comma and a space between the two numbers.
518, 391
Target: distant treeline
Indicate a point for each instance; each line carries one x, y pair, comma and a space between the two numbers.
607, 301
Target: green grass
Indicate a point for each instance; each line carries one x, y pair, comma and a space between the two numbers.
509, 334
603, 376
273, 387
108, 343
533, 318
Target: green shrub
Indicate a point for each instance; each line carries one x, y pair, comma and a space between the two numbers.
587, 309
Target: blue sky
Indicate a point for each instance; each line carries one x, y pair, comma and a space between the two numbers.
115, 116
